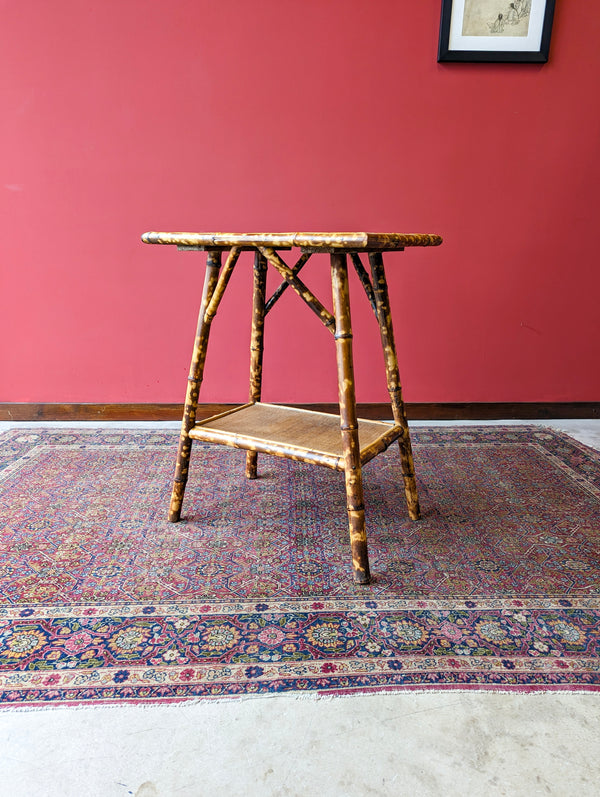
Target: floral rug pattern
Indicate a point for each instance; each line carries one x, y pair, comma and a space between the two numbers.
101, 600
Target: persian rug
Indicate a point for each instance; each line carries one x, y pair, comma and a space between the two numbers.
102, 600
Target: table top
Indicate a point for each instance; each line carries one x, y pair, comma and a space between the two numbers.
348, 241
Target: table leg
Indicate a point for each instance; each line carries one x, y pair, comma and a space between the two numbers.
393, 381
213, 264
257, 345
348, 420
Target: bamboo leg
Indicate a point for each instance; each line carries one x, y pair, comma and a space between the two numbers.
256, 345
393, 380
213, 264
348, 421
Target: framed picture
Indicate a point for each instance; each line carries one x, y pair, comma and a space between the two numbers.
496, 30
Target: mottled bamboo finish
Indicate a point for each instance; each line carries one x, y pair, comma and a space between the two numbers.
296, 283
311, 436
306, 436
393, 381
364, 278
211, 279
378, 446
350, 241
348, 420
296, 269
257, 346
274, 449
224, 278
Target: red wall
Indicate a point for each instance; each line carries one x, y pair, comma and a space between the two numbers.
123, 116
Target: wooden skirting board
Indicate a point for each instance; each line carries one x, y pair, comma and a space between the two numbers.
376, 411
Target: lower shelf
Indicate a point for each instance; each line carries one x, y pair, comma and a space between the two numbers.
302, 435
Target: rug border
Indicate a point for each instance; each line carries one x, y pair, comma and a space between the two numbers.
476, 603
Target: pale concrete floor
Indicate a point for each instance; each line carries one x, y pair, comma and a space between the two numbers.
434, 743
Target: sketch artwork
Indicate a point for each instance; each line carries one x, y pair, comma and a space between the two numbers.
496, 18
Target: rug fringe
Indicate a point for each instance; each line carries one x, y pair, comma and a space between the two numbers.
531, 693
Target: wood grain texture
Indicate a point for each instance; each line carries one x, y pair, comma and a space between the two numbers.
415, 411
348, 241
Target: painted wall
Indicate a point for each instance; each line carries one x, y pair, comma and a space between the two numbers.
123, 116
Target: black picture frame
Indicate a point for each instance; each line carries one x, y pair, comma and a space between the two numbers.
531, 48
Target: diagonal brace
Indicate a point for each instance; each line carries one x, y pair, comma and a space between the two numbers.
301, 289
222, 284
296, 269
364, 278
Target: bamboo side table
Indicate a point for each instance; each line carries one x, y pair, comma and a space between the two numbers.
340, 442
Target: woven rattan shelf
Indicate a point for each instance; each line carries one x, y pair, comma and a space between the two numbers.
303, 435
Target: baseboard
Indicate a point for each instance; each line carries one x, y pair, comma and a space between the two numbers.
417, 412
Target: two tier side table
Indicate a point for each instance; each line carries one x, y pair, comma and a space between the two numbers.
342, 442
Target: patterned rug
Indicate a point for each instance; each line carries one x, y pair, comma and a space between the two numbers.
102, 600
